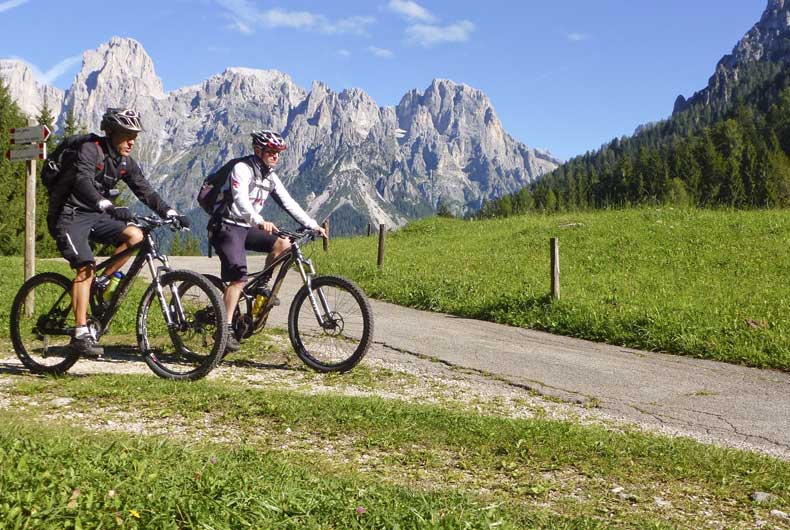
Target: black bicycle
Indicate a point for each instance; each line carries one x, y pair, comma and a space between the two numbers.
330, 322
184, 339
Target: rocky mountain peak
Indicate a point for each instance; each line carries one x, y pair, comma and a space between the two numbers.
347, 157
27, 91
767, 41
118, 74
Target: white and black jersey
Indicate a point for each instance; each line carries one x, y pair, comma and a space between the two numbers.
249, 192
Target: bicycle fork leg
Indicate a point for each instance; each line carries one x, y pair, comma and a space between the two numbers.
311, 295
179, 316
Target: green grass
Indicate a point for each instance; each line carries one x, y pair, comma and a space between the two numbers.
296, 461
122, 482
705, 283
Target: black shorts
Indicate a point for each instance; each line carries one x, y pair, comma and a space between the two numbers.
231, 243
76, 229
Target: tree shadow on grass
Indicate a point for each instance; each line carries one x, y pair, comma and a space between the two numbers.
514, 310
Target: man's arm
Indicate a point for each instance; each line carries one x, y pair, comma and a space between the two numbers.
143, 190
287, 203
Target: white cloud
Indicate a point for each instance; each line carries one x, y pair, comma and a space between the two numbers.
411, 10
277, 18
61, 68
344, 53
576, 37
11, 4
54, 73
245, 17
356, 25
427, 35
381, 52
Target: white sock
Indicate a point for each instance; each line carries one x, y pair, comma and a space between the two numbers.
81, 331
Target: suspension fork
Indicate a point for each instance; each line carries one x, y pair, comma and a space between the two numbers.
307, 278
156, 272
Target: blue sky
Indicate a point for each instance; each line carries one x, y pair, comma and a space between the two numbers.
565, 75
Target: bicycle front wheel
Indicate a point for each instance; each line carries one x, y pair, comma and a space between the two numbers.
342, 337
192, 343
42, 324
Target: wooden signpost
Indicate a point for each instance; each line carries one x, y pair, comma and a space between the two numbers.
29, 144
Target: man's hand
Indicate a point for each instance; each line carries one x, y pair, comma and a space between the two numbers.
179, 221
321, 232
267, 227
121, 213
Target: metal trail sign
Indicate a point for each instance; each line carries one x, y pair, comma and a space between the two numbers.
29, 143
28, 152
22, 135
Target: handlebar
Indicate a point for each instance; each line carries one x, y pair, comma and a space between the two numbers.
302, 234
150, 222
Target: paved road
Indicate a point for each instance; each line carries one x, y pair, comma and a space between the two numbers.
707, 399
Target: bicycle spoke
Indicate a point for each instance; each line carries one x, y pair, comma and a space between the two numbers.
42, 323
191, 345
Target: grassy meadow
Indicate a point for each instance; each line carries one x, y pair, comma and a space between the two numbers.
134, 451
266, 443
705, 283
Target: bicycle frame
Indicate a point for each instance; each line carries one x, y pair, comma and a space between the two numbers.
286, 260
146, 253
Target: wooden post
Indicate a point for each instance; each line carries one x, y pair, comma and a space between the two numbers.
30, 215
555, 268
326, 239
382, 231
30, 226
370, 229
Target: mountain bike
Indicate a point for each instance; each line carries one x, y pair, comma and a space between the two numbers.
183, 339
330, 321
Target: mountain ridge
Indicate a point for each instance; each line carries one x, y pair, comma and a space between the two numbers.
344, 149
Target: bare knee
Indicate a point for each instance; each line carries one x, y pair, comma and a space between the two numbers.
238, 284
84, 273
282, 245
132, 235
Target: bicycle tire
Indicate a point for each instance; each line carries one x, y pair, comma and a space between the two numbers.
33, 344
193, 350
340, 345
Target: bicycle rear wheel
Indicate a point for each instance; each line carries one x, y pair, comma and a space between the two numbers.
343, 339
193, 344
42, 324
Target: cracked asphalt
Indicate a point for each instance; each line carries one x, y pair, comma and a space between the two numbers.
710, 401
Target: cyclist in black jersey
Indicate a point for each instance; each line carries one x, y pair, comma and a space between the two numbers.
88, 215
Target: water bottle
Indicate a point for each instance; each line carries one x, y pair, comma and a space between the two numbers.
113, 285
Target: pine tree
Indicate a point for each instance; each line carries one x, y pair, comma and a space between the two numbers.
71, 127
12, 180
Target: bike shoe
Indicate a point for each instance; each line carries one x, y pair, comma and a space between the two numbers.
86, 346
233, 343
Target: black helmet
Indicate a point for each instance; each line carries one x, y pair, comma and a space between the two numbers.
268, 140
127, 120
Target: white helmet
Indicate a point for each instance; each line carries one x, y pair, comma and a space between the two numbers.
268, 140
119, 119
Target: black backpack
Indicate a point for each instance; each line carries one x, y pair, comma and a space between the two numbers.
210, 193
58, 173
63, 158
